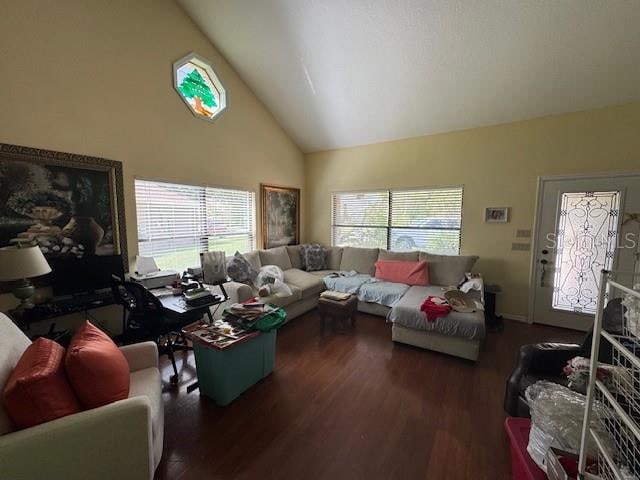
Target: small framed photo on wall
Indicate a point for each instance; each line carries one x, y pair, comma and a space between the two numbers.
496, 214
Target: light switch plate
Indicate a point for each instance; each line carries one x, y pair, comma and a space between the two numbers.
523, 233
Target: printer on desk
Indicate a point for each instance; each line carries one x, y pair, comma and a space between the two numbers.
150, 276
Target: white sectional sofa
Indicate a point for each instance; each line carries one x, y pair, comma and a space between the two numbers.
458, 334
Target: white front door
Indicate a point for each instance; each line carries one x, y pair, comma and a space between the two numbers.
582, 227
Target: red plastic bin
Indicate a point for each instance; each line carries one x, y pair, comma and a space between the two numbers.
522, 465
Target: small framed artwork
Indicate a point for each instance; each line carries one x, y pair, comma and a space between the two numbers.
280, 215
496, 214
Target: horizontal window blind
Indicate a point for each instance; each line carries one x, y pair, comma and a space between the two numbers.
177, 222
427, 219
360, 219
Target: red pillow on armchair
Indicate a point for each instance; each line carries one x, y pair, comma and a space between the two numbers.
38, 390
97, 369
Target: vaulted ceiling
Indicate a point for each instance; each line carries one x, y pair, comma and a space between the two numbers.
338, 73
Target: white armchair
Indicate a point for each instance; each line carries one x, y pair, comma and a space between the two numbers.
121, 440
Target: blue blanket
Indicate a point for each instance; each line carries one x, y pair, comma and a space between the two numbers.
346, 282
379, 291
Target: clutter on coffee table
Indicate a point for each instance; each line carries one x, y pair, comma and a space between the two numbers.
255, 315
220, 335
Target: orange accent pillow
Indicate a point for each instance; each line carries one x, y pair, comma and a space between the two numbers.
97, 369
38, 390
409, 273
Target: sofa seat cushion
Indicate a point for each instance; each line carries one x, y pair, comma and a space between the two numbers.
98, 371
148, 383
361, 260
322, 273
407, 313
38, 390
446, 270
307, 282
283, 301
276, 256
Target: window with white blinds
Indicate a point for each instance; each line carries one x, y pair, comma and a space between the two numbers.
428, 219
360, 219
177, 222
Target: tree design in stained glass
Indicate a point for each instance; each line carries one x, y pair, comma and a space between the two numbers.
199, 87
586, 242
195, 87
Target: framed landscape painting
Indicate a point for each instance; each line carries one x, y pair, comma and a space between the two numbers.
70, 205
280, 215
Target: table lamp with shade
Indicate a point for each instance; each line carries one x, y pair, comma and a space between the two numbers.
22, 263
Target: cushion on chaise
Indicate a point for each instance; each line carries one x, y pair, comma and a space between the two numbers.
407, 313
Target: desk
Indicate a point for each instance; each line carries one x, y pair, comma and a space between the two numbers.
176, 305
60, 307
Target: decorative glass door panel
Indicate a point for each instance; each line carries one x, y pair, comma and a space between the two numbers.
586, 240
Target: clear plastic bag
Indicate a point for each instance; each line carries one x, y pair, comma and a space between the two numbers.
270, 281
557, 413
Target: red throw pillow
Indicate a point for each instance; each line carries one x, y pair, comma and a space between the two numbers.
409, 273
97, 369
38, 390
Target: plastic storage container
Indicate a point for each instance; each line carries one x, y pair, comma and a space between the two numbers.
224, 374
522, 465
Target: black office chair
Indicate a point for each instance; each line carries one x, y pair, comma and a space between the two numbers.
545, 361
145, 319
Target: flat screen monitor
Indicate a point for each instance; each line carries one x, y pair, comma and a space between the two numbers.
85, 275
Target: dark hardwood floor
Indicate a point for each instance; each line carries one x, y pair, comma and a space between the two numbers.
352, 405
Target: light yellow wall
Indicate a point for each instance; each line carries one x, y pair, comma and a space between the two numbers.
96, 78
498, 166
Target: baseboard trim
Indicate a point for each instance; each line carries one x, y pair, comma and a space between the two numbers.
515, 316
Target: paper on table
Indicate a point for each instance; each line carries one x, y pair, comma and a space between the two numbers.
146, 265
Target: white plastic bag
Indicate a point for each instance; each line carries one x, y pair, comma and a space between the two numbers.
270, 281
